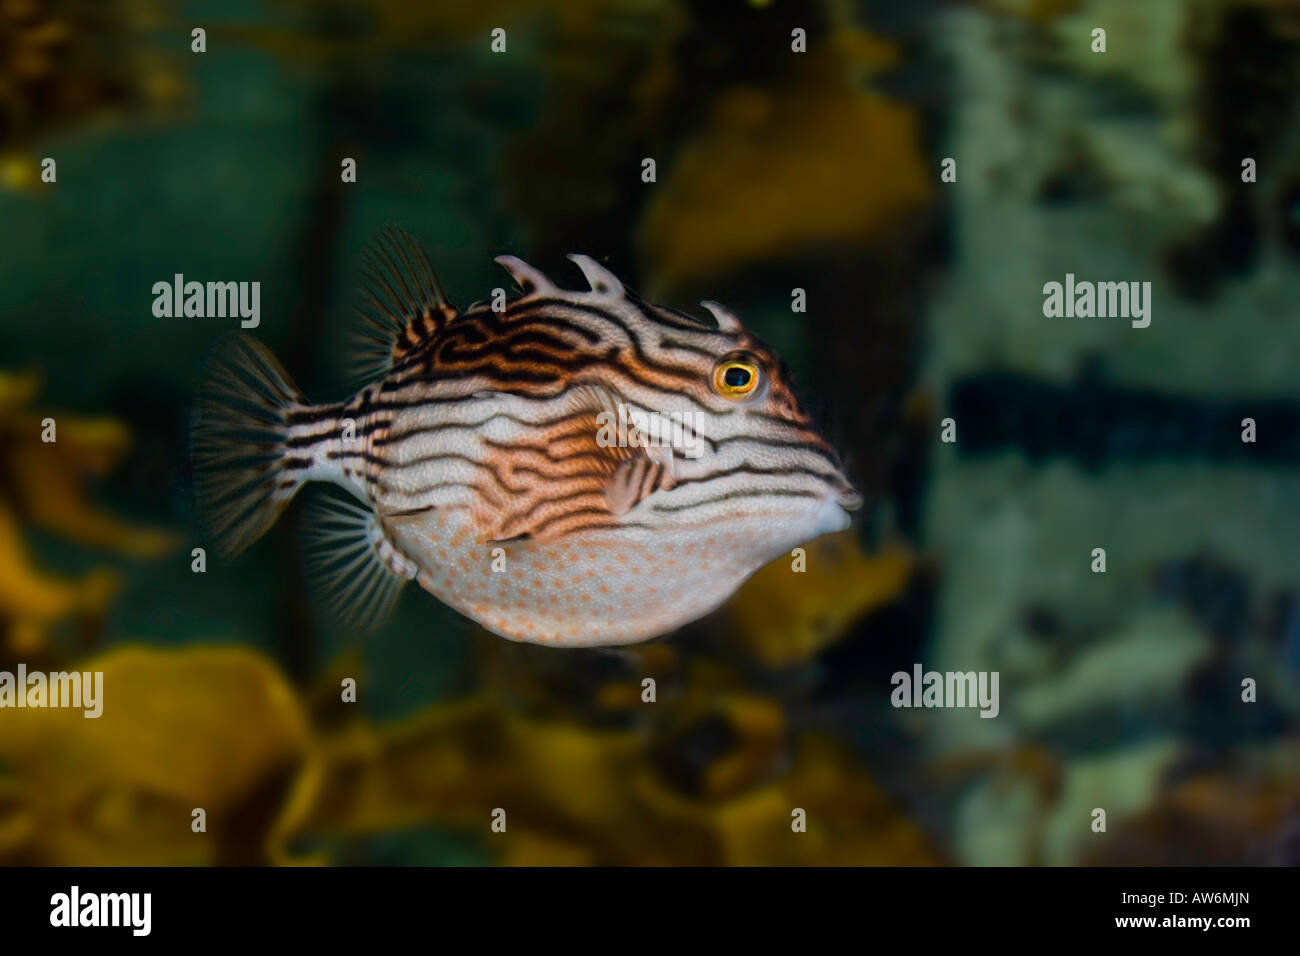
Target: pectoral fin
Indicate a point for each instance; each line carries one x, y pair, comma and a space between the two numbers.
594, 474
635, 480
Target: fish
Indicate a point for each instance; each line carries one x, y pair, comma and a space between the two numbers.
570, 468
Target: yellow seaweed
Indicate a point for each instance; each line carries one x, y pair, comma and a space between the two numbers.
221, 729
208, 727
67, 62
34, 600
573, 795
49, 478
784, 617
780, 169
46, 486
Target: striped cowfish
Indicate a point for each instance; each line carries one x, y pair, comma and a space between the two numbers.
569, 468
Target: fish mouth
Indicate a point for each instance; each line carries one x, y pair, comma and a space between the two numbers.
831, 516
832, 513
844, 494
848, 498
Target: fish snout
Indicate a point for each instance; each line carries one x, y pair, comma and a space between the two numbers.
849, 498
845, 495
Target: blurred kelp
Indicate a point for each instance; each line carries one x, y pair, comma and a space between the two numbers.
47, 459
574, 796
848, 169
69, 63
216, 729
219, 730
1130, 683
1242, 811
786, 617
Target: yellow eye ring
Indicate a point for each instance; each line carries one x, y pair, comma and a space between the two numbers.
735, 378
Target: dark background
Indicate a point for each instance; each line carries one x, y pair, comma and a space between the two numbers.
776, 170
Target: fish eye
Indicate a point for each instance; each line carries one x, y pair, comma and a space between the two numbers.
736, 377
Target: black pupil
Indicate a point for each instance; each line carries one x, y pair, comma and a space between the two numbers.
736, 377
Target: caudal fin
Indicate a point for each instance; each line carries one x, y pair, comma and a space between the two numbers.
244, 477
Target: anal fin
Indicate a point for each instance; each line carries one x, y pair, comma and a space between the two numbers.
361, 572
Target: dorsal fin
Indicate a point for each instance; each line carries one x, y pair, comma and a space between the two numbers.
726, 321
601, 280
405, 299
530, 281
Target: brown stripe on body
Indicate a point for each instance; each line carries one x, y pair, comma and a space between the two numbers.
572, 471
549, 479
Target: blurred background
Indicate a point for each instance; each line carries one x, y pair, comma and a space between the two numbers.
776, 170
